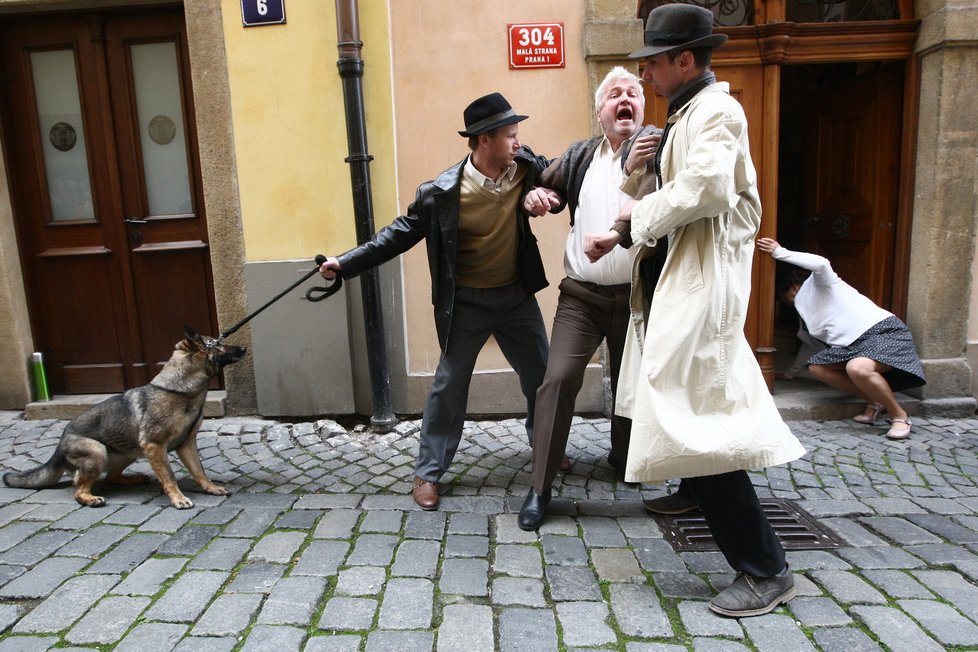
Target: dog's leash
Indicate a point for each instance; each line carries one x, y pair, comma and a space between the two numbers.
312, 294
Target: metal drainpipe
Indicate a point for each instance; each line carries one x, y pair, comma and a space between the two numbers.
350, 65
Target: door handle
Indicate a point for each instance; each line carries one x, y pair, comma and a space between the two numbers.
134, 220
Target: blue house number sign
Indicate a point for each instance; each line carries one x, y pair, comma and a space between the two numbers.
262, 12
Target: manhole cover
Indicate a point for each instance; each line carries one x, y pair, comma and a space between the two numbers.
796, 528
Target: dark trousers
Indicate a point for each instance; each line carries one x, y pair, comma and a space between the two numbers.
737, 522
513, 318
587, 314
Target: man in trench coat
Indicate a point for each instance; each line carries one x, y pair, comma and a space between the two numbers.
699, 405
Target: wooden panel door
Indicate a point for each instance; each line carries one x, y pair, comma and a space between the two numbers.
747, 87
98, 113
852, 174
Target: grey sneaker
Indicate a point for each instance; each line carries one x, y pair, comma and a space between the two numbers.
754, 596
672, 504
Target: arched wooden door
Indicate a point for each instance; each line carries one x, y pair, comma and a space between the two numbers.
98, 116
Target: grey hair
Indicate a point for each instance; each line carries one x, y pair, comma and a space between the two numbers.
613, 75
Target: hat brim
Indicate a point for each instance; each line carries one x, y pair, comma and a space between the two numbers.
511, 120
711, 41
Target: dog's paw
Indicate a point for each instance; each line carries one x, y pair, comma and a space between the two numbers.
181, 502
89, 500
217, 490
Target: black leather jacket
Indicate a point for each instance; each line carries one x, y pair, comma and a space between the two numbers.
434, 217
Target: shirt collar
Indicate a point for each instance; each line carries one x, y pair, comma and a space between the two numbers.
605, 149
483, 180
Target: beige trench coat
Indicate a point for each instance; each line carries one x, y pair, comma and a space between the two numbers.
689, 380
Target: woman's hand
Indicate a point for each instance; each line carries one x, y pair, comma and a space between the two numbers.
767, 245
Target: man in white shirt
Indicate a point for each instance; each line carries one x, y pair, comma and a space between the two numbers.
593, 302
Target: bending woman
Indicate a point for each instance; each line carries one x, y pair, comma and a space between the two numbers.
870, 351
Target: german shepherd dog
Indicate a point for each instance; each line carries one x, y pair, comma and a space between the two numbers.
148, 421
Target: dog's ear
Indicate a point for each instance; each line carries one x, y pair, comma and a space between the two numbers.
191, 334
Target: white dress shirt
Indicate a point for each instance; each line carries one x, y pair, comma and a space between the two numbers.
598, 206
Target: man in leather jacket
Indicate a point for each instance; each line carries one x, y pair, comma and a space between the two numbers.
485, 268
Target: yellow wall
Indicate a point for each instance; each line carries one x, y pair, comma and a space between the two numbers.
446, 54
290, 128
425, 61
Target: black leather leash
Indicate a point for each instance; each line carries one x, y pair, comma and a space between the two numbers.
312, 294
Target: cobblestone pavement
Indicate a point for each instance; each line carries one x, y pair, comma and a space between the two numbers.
320, 547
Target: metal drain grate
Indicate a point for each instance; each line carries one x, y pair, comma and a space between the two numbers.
796, 528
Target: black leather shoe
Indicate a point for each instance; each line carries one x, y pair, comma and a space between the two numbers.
532, 511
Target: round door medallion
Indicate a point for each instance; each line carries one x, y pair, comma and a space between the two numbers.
62, 136
840, 226
162, 130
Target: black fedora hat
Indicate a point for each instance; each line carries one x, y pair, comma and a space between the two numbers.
487, 113
678, 26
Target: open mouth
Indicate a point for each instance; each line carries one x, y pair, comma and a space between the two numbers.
624, 113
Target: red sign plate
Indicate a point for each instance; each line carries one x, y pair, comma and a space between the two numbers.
536, 45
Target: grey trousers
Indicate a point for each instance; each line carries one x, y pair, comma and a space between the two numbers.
513, 318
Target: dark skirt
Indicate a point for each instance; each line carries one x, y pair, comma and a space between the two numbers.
888, 342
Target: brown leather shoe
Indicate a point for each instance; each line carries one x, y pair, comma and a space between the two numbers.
566, 464
425, 493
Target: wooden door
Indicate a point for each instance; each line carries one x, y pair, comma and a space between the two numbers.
747, 87
852, 177
98, 115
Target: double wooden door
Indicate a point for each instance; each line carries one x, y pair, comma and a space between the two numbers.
101, 149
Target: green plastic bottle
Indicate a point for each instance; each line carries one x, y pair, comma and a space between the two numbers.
41, 392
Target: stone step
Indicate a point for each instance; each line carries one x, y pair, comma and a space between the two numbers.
69, 406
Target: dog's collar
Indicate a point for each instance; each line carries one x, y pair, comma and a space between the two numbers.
172, 391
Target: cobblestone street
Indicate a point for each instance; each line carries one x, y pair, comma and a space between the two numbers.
320, 547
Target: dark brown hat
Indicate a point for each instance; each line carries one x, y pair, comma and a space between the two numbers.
678, 26
487, 113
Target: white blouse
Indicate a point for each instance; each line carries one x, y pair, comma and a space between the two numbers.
834, 311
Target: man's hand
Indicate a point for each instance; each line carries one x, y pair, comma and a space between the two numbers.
767, 245
625, 214
329, 268
540, 200
597, 245
643, 149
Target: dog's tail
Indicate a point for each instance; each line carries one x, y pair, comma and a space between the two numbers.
46, 475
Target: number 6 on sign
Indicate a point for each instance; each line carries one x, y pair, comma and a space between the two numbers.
262, 12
